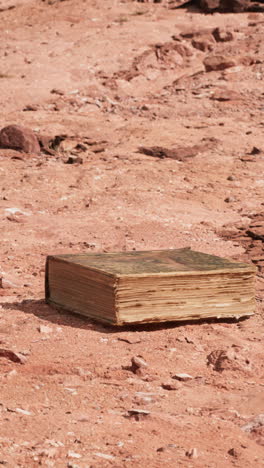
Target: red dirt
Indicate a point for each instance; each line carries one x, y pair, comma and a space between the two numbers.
115, 77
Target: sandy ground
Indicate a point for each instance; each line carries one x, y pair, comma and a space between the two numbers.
113, 77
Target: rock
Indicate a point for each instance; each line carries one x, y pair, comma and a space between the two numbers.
44, 329
130, 340
6, 283
16, 215
137, 414
228, 359
171, 385
183, 377
160, 152
138, 363
20, 139
235, 6
192, 453
223, 94
167, 448
22, 411
31, 108
222, 35
13, 356
254, 424
104, 455
180, 153
233, 452
59, 92
47, 452
202, 44
230, 199
231, 178
218, 62
255, 150
209, 5
74, 160
72, 454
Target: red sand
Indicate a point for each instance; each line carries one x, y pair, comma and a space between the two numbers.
123, 82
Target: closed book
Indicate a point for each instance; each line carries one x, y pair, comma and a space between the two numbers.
150, 286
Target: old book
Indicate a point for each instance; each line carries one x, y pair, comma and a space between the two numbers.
153, 286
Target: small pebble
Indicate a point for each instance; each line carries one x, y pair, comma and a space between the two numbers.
230, 199
171, 385
183, 377
192, 453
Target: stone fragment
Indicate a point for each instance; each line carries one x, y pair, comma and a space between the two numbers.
192, 453
235, 6
202, 44
20, 139
255, 151
171, 385
16, 211
218, 63
105, 456
24, 412
138, 364
12, 355
167, 448
6, 283
74, 160
233, 452
254, 424
30, 107
227, 359
59, 92
44, 329
130, 340
222, 94
222, 35
183, 377
137, 414
230, 199
72, 454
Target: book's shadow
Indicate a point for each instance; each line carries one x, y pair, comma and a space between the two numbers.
60, 317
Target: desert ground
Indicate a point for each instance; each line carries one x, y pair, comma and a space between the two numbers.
151, 123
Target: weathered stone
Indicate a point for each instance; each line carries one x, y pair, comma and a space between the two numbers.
192, 453
235, 6
222, 35
20, 139
172, 385
255, 423
218, 62
12, 355
225, 95
183, 377
138, 362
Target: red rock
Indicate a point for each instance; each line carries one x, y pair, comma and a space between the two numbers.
225, 95
218, 62
20, 139
138, 362
12, 356
202, 44
183, 377
228, 359
209, 5
221, 35
235, 6
172, 385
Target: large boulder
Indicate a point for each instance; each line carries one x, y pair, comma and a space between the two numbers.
19, 138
